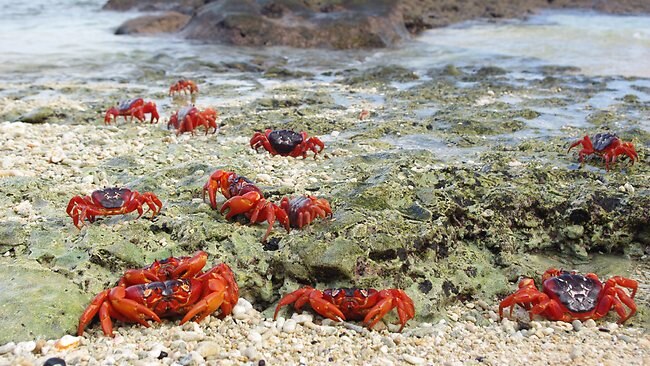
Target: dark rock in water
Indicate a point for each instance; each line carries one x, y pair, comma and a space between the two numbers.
342, 23
349, 24
181, 6
152, 24
328, 24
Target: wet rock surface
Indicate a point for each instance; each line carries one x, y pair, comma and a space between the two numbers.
151, 24
335, 24
457, 223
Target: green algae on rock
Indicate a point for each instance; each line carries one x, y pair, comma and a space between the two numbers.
36, 302
494, 198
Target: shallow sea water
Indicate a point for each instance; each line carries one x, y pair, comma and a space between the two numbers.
42, 44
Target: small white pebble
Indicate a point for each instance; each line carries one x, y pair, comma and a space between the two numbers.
24, 208
24, 347
56, 156
576, 353
577, 325
590, 323
255, 337
289, 326
302, 318
279, 323
240, 311
413, 360
9, 347
67, 341
250, 353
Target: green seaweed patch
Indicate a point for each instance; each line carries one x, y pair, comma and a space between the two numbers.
46, 311
379, 75
603, 118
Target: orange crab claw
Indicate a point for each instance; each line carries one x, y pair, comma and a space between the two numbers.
325, 308
208, 304
240, 204
293, 297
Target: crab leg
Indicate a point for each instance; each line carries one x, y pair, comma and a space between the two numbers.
231, 296
527, 294
137, 276
240, 204
378, 311
210, 303
325, 308
552, 309
154, 204
91, 310
405, 307
130, 309
190, 267
293, 297
624, 282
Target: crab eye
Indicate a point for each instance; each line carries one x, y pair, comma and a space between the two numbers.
185, 287
364, 292
335, 292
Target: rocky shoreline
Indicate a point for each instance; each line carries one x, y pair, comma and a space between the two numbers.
472, 335
505, 210
331, 24
450, 188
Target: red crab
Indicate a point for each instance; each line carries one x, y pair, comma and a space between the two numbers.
183, 86
188, 118
286, 143
192, 294
134, 108
304, 209
569, 295
111, 201
243, 197
172, 268
368, 305
607, 145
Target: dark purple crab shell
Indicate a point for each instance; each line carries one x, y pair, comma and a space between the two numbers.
602, 140
165, 291
284, 141
242, 185
295, 204
125, 105
110, 197
579, 294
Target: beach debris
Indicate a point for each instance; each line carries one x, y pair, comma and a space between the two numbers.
287, 143
341, 304
607, 145
568, 295
111, 201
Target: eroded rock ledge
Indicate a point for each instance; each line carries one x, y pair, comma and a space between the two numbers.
339, 24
